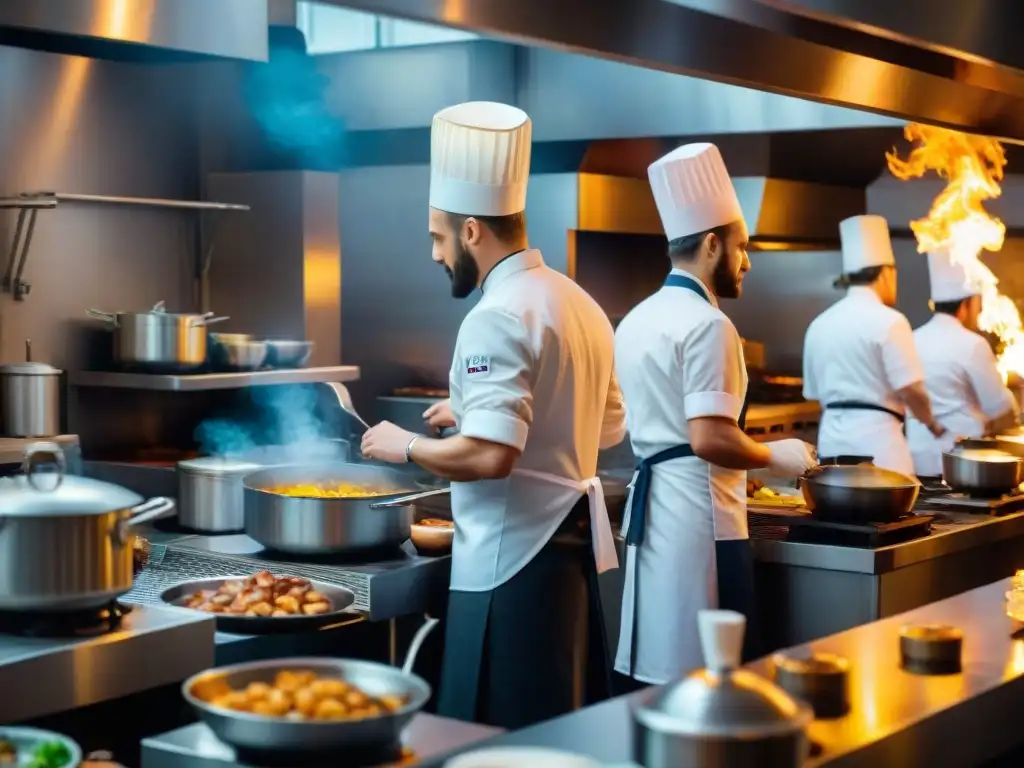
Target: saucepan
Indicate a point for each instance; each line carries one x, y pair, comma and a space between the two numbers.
858, 493
333, 508
287, 736
980, 468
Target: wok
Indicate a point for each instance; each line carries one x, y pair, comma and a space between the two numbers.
308, 525
858, 493
280, 735
978, 467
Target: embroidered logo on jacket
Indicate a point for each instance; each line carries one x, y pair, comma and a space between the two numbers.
478, 365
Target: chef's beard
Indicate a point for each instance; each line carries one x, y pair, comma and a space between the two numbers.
465, 274
724, 283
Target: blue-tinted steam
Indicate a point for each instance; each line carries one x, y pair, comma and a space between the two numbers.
287, 97
282, 426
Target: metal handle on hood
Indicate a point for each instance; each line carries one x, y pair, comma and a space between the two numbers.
404, 501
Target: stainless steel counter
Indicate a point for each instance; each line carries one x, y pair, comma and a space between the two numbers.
152, 647
195, 746
955, 721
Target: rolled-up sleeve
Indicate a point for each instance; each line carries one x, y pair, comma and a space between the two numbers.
711, 358
899, 356
493, 362
994, 397
613, 427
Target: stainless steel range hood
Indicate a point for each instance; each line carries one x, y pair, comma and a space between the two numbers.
916, 70
138, 30
609, 192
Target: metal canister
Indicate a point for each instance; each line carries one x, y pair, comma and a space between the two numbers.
30, 399
210, 494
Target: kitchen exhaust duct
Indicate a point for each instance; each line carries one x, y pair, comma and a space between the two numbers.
912, 75
149, 31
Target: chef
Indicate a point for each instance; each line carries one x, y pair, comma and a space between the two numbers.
859, 357
680, 363
533, 395
966, 389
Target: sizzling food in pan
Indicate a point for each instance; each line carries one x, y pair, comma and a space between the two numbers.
300, 695
327, 491
262, 594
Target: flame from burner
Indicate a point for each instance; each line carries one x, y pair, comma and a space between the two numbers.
959, 224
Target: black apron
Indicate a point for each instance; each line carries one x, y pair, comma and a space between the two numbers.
856, 405
510, 653
734, 559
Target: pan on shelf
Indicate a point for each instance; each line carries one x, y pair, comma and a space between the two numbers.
339, 597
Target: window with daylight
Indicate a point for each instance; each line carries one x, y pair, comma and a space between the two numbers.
333, 29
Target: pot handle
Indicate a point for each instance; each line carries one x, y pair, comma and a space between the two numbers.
152, 509
417, 643
404, 501
30, 460
202, 322
107, 317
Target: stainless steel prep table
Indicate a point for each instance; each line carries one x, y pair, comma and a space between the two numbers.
954, 721
195, 746
152, 647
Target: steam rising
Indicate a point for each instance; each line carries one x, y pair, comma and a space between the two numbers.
282, 428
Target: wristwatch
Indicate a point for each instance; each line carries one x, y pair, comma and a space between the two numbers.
408, 448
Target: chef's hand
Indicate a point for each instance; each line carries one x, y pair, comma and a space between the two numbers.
439, 415
936, 429
791, 458
386, 442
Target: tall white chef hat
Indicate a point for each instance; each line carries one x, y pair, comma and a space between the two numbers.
865, 241
693, 191
480, 159
949, 280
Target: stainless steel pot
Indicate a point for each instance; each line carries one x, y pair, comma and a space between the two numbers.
311, 525
66, 542
30, 398
236, 352
858, 493
270, 735
721, 716
158, 341
211, 496
977, 467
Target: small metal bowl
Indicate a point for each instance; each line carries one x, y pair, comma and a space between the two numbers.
288, 354
432, 540
820, 679
236, 352
931, 649
268, 735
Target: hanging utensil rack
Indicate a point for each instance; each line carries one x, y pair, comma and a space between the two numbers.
30, 203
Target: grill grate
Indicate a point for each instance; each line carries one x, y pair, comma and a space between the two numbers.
167, 567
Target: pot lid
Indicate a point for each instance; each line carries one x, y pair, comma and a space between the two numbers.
29, 369
723, 701
51, 493
219, 465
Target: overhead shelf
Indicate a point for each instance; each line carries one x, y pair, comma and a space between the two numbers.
208, 381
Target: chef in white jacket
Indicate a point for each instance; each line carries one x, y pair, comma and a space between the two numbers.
680, 364
859, 357
534, 397
967, 392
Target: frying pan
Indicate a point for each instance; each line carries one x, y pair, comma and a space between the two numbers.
340, 598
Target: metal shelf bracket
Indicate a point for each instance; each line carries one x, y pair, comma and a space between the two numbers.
30, 203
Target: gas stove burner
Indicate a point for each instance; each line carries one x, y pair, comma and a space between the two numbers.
391, 756
936, 494
64, 624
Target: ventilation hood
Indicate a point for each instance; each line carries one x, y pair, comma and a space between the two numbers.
931, 62
602, 186
139, 30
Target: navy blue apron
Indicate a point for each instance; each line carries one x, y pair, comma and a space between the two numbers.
734, 559
857, 405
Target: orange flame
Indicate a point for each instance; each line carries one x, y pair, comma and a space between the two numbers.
958, 223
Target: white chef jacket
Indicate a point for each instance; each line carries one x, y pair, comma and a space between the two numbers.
678, 357
532, 369
861, 350
965, 387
